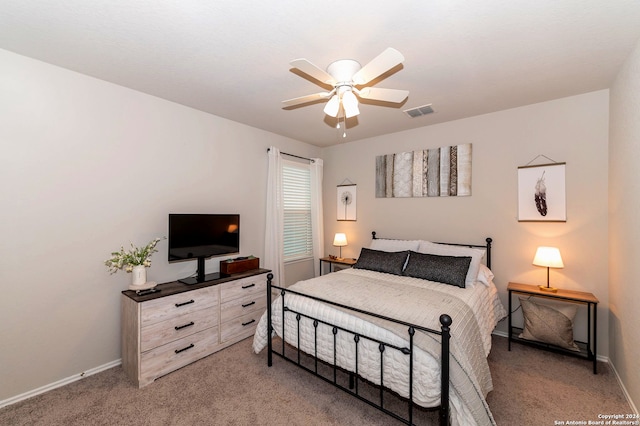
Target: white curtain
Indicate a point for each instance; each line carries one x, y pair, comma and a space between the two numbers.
317, 231
274, 229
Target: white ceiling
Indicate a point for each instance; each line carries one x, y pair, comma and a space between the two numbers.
231, 57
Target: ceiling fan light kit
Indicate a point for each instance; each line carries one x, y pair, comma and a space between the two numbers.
350, 104
344, 75
333, 106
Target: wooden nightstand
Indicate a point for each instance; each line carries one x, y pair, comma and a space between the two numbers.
588, 348
336, 261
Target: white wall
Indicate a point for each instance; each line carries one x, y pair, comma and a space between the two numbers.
624, 211
87, 166
572, 130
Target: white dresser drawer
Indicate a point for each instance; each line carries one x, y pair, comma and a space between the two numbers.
160, 309
240, 288
242, 306
175, 328
243, 326
166, 358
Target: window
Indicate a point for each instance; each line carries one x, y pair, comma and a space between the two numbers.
296, 185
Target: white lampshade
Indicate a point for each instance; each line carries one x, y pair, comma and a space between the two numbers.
333, 106
340, 240
350, 104
549, 257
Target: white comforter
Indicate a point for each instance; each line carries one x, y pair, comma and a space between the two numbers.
475, 312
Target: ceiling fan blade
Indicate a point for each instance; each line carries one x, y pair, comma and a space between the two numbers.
378, 66
385, 95
308, 68
306, 99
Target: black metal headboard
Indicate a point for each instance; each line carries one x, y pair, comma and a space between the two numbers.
486, 246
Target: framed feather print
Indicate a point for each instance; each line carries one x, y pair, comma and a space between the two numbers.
347, 199
542, 193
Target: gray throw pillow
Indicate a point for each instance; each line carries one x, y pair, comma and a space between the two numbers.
443, 269
545, 324
382, 261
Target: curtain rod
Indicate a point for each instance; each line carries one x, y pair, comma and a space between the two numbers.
296, 156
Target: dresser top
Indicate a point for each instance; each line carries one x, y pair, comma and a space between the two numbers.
176, 287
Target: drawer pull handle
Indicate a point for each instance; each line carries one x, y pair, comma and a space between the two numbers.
248, 304
247, 323
180, 327
184, 349
185, 303
249, 286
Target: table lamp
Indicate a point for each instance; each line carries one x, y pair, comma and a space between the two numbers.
340, 240
549, 257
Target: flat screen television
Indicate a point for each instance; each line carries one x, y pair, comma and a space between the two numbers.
201, 236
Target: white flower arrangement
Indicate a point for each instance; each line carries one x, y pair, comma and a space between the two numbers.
133, 257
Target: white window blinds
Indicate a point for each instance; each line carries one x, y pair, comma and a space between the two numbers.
296, 185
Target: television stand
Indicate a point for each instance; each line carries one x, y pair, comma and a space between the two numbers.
194, 280
200, 277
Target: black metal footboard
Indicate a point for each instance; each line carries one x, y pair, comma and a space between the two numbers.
353, 388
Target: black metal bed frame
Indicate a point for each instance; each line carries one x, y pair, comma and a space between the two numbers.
353, 389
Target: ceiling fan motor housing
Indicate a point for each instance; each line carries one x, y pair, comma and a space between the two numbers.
343, 70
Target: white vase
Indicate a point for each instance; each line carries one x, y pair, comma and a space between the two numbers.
139, 275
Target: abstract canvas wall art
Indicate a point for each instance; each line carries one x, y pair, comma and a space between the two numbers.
435, 172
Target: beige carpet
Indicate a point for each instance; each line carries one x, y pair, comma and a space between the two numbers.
235, 387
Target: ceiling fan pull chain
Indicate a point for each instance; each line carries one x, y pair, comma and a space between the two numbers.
344, 123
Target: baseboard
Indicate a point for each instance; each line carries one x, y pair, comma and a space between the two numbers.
59, 383
624, 390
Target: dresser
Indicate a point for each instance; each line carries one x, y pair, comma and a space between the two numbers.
181, 323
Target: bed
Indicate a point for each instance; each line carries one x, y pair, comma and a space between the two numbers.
413, 319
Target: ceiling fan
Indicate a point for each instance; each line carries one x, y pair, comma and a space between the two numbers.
345, 75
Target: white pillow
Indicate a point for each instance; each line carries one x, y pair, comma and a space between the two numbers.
485, 276
394, 245
448, 250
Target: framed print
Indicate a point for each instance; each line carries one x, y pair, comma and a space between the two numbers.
347, 199
541, 193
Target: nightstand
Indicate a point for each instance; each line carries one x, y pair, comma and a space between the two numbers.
588, 348
336, 261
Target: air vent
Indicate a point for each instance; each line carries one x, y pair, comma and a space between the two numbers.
419, 111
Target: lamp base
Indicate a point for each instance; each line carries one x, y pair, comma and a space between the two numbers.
548, 289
